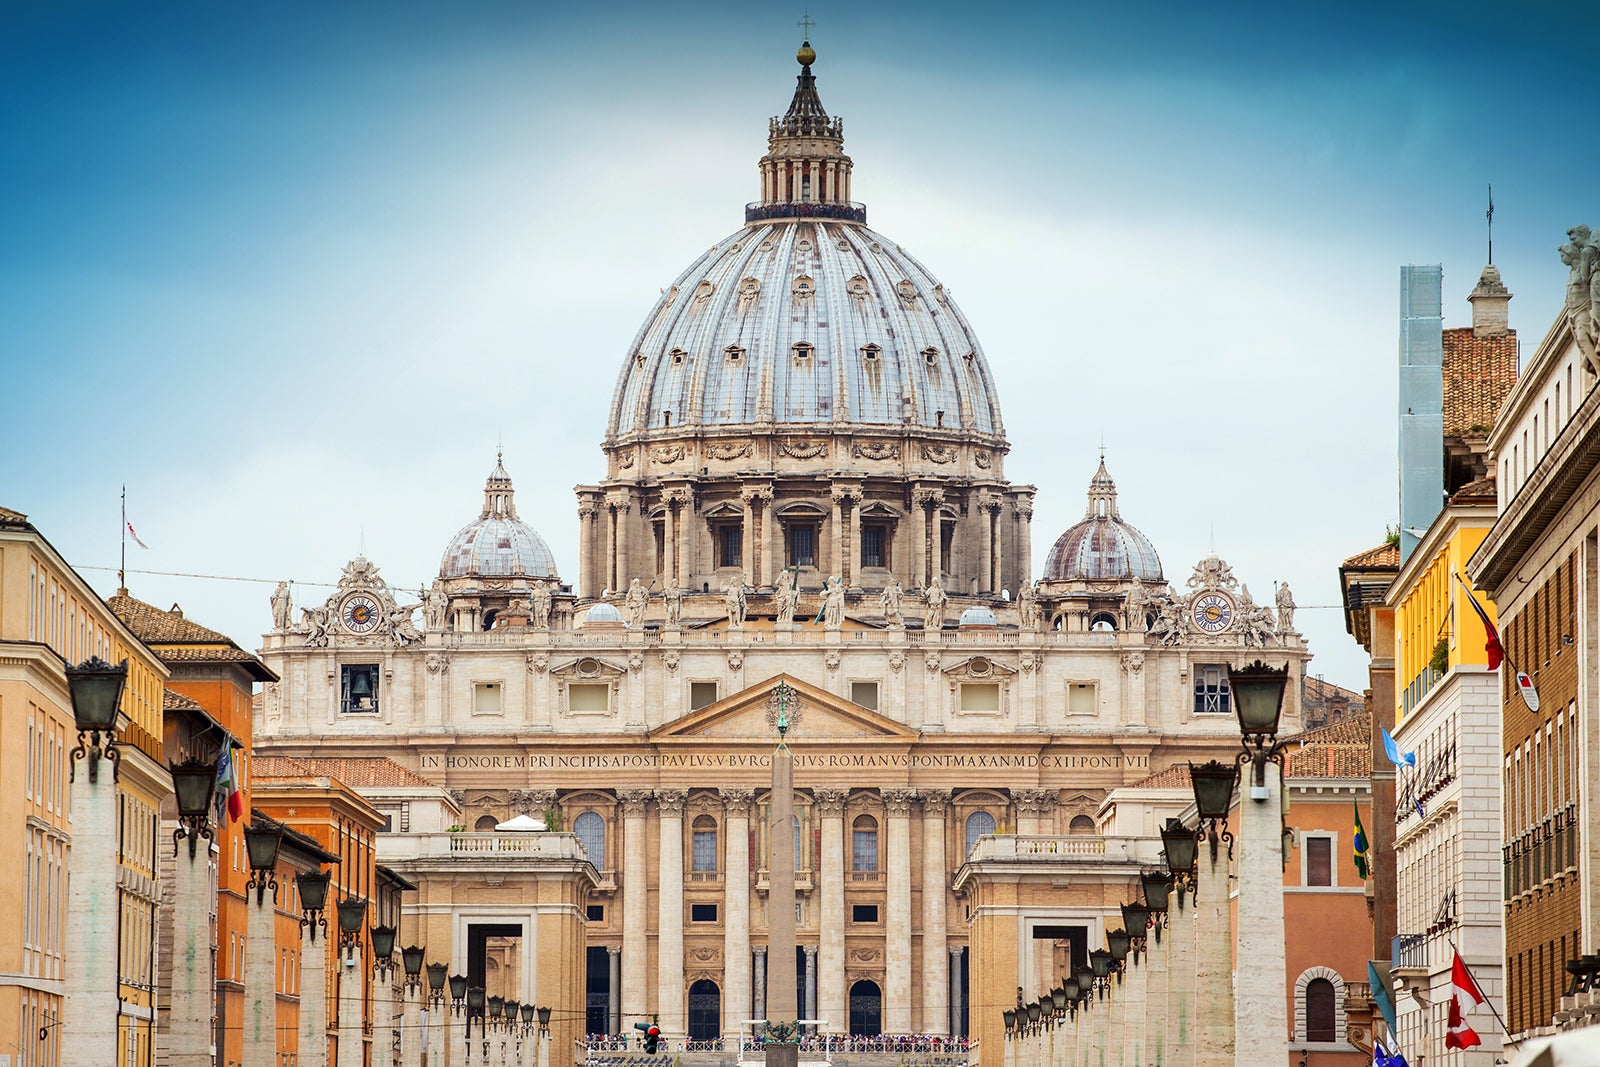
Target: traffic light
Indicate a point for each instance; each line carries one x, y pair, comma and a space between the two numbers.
652, 1036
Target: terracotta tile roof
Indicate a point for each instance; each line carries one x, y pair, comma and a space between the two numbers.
1385, 555
173, 638
7, 515
1174, 777
1482, 489
171, 701
1478, 373
1350, 730
1321, 689
1341, 749
357, 772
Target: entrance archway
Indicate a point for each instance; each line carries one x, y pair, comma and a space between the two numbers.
866, 1009
705, 1011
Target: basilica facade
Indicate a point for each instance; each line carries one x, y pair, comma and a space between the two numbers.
804, 483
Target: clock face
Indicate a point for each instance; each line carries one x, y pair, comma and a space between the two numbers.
1212, 612
360, 613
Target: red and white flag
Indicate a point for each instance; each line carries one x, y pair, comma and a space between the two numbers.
135, 536
1464, 995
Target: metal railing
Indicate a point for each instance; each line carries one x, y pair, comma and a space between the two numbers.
842, 210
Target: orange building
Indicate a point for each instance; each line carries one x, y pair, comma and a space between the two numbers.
337, 819
208, 703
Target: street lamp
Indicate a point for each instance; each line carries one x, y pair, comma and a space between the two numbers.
1258, 699
1120, 942
313, 898
193, 782
261, 844
544, 1018
411, 961
1136, 921
352, 911
1213, 784
436, 981
475, 1010
1100, 962
383, 948
96, 690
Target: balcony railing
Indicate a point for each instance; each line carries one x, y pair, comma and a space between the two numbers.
844, 211
400, 847
1410, 952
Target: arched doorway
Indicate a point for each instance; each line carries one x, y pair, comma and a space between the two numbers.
705, 1011
866, 1009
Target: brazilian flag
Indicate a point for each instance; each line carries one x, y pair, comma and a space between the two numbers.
1359, 844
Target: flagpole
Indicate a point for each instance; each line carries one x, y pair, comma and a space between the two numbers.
1486, 999
122, 569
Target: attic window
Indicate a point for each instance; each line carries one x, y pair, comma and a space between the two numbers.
938, 418
734, 353
930, 356
677, 357
802, 350
666, 418
870, 353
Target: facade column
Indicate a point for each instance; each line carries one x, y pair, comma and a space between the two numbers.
747, 549
897, 934
835, 1008
635, 909
685, 530
935, 880
809, 1009
994, 563
613, 989
736, 999
623, 571
669, 542
771, 540
852, 562
761, 982
1261, 1022
958, 995
669, 921
920, 499
1024, 546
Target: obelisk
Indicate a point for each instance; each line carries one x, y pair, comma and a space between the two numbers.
782, 1048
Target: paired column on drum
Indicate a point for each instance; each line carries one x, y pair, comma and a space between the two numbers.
669, 920
828, 804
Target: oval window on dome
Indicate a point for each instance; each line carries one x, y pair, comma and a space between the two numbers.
749, 287
764, 246
803, 245
703, 291
677, 357
907, 291
930, 356
804, 287
858, 286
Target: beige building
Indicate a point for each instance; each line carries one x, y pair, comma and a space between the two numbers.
804, 482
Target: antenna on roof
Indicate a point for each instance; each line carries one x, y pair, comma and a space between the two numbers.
1489, 218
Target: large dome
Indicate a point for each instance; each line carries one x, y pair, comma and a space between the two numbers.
1102, 546
805, 322
497, 544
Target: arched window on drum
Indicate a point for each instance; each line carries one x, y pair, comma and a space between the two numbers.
978, 824
591, 831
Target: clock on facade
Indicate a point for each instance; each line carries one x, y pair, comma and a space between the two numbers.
360, 613
1212, 612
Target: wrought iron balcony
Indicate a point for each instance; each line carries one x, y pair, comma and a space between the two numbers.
844, 211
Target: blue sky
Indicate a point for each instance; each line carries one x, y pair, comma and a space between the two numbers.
290, 272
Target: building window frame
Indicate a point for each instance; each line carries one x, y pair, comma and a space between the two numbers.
1211, 693
1318, 837
348, 672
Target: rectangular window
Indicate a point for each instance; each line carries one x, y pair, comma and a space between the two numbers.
730, 544
864, 850
864, 913
701, 694
864, 694
1319, 860
702, 913
980, 696
705, 850
1211, 695
596, 913
358, 688
874, 545
588, 698
486, 698
802, 546
1082, 698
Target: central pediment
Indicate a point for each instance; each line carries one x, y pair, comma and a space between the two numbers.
816, 714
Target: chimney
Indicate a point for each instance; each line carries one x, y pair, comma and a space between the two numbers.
1490, 301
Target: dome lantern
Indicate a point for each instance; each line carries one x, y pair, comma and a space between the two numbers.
805, 173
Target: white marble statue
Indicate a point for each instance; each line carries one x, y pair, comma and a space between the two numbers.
1028, 607
935, 598
1286, 606
316, 622
833, 603
280, 607
1134, 607
890, 599
636, 601
674, 603
733, 599
435, 606
539, 606
786, 596
400, 626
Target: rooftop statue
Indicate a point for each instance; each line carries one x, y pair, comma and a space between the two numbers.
280, 607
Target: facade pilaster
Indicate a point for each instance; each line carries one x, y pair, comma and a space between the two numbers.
761, 982
985, 559
614, 989
747, 550
809, 1009
835, 1007
635, 908
935, 955
586, 512
920, 501
736, 990
260, 987
897, 927
1261, 1023
669, 921
836, 533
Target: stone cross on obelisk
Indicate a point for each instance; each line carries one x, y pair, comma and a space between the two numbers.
782, 1048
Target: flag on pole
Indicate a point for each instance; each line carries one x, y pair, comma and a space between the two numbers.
1382, 1057
135, 537
1464, 995
226, 789
1396, 757
1359, 843
1492, 647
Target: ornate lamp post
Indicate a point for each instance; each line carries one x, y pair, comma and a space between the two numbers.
438, 1017
1213, 784
411, 1007
497, 1007
1261, 1021
1009, 1017
383, 964
313, 891
1181, 847
193, 992
89, 1010
352, 1024
475, 1011
262, 841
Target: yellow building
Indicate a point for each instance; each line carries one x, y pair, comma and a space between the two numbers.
50, 618
1436, 629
